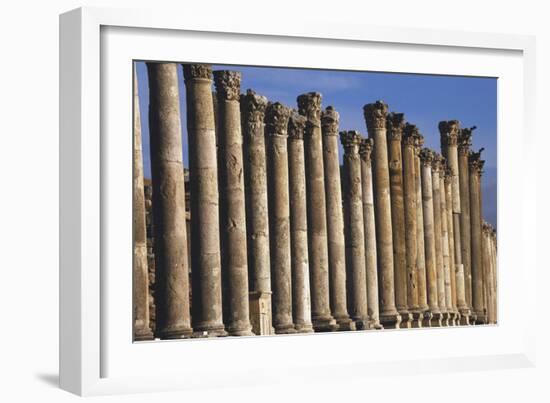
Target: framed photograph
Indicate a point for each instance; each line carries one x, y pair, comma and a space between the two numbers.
255, 204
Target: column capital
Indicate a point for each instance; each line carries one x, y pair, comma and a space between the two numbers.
197, 72
330, 119
351, 140
395, 122
253, 109
375, 115
228, 84
447, 174
427, 156
309, 105
276, 119
365, 149
296, 125
465, 140
449, 131
475, 162
411, 135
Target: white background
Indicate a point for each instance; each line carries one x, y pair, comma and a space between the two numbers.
29, 201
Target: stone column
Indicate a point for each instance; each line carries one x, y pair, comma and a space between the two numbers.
440, 268
487, 275
409, 190
235, 265
335, 220
464, 143
172, 271
445, 248
301, 297
450, 234
252, 114
365, 150
375, 117
142, 330
476, 167
203, 180
427, 157
309, 105
395, 125
494, 299
421, 254
450, 133
276, 119
355, 227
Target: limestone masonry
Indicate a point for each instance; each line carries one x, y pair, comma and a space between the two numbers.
267, 233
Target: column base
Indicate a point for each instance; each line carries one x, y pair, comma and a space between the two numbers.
240, 331
437, 319
406, 319
427, 319
175, 333
143, 334
362, 324
303, 327
285, 329
390, 320
209, 330
445, 319
417, 319
464, 317
324, 324
480, 319
345, 323
375, 324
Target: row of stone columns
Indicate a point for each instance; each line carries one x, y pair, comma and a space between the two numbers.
286, 240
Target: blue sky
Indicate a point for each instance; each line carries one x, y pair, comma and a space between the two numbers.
424, 99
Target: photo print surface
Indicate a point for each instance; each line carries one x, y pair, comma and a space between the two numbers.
272, 200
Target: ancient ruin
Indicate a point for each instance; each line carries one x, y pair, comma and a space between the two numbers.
267, 232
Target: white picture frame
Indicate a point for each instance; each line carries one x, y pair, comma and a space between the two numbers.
96, 354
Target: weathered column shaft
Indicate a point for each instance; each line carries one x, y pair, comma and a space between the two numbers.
301, 298
142, 330
235, 258
476, 166
375, 117
421, 254
440, 268
445, 246
252, 113
276, 119
172, 271
450, 236
309, 105
355, 235
395, 124
487, 283
205, 225
370, 232
464, 142
427, 157
335, 219
409, 189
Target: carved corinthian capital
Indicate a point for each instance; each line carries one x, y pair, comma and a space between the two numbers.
252, 111
296, 125
228, 84
365, 149
427, 157
309, 105
449, 131
351, 140
197, 72
375, 115
465, 140
475, 162
395, 123
438, 163
276, 119
411, 136
330, 120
